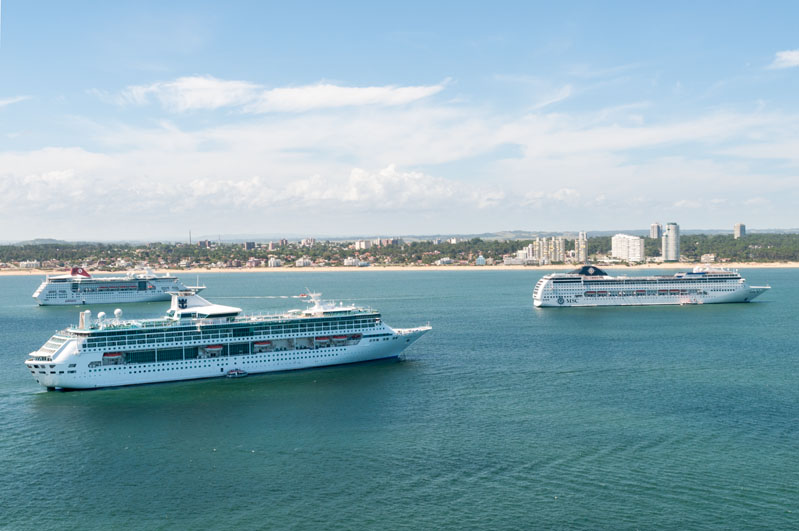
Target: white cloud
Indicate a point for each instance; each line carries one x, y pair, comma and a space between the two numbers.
11, 101
785, 59
757, 202
402, 169
562, 94
388, 188
322, 96
193, 93
688, 203
210, 93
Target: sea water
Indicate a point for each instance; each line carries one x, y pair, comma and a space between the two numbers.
504, 416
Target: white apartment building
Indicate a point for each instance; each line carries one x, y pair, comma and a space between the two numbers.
627, 248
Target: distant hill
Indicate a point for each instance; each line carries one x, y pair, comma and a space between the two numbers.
508, 235
44, 241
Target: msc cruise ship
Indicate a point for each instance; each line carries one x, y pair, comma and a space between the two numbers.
198, 339
79, 287
591, 286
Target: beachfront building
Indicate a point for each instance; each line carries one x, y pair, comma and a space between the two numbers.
627, 248
541, 251
670, 248
739, 230
581, 247
480, 261
656, 230
274, 262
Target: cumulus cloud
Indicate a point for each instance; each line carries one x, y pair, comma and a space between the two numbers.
785, 59
210, 93
388, 188
442, 162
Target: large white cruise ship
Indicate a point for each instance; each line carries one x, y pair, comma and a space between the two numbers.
198, 339
591, 286
79, 287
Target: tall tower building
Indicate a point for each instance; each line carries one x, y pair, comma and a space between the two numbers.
671, 243
739, 230
581, 247
655, 230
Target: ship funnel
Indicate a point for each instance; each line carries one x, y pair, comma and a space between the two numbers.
85, 320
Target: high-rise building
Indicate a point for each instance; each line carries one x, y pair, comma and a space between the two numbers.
655, 230
671, 243
739, 230
628, 248
581, 247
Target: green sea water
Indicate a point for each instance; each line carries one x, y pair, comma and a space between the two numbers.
502, 417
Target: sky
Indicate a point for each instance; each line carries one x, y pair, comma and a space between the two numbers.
147, 120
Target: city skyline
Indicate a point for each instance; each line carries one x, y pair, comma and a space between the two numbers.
144, 121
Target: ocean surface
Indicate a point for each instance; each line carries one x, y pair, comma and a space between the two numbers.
502, 417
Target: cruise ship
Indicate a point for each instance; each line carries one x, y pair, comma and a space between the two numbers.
199, 339
79, 287
591, 286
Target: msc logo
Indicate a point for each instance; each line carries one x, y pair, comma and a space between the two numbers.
182, 303
560, 300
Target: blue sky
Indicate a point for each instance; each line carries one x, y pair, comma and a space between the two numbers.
148, 119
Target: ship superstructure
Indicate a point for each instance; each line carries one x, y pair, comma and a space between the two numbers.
591, 286
199, 339
79, 287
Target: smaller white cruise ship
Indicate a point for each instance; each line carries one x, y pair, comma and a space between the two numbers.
591, 286
79, 287
199, 339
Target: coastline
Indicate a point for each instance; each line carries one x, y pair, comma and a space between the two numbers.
642, 267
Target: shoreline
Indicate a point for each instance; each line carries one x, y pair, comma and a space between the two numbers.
194, 271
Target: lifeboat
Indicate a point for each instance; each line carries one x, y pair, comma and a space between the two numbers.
262, 346
213, 349
323, 338
355, 336
112, 356
339, 338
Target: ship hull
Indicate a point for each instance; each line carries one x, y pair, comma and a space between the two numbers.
743, 294
92, 299
72, 371
66, 292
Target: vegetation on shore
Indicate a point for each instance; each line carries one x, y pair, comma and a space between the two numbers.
751, 248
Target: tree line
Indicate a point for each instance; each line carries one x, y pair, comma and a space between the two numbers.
750, 248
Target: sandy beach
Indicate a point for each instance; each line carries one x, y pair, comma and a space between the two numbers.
615, 268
